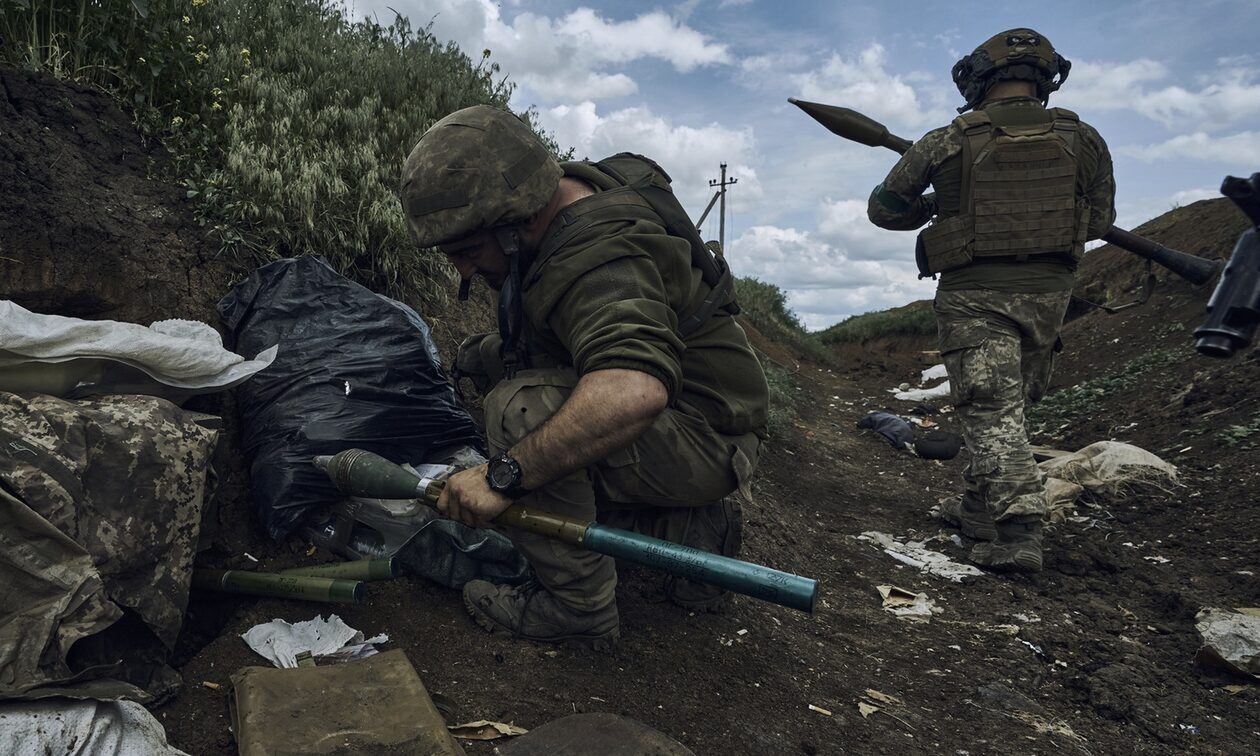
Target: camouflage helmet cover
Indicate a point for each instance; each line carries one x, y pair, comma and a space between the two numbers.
1013, 54
477, 168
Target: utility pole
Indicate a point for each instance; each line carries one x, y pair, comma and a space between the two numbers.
721, 194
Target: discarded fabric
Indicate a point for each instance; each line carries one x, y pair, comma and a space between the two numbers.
894, 430
915, 607
1230, 640
83, 728
934, 373
1112, 469
940, 391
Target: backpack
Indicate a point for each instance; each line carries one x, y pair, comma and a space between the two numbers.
1018, 196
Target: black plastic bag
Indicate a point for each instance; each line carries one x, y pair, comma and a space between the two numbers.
355, 369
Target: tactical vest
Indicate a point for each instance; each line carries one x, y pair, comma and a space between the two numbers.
1018, 193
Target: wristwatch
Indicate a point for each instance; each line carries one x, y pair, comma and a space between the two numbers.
504, 475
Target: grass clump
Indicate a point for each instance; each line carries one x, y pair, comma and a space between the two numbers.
913, 320
1235, 435
289, 122
1071, 405
765, 306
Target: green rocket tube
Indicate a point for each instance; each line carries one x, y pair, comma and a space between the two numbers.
279, 586
362, 473
359, 569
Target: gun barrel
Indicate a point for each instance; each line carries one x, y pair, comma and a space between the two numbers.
1196, 270
279, 586
365, 474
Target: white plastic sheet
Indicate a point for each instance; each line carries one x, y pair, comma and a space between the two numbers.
914, 554
182, 354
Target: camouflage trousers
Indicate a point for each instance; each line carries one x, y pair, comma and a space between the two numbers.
998, 348
652, 486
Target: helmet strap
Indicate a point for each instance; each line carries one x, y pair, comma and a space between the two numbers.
511, 304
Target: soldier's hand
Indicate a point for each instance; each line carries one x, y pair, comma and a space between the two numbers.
469, 499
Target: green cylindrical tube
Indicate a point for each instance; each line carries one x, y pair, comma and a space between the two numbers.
736, 575
279, 586
359, 569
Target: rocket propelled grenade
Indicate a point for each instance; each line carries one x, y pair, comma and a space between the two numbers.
361, 473
272, 584
863, 129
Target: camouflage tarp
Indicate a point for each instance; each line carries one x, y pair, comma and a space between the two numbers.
100, 505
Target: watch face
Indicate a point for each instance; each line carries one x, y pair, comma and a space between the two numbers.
501, 474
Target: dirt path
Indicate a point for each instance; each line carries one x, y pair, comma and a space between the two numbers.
1094, 655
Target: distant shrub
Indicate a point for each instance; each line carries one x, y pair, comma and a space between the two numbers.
913, 320
289, 122
765, 306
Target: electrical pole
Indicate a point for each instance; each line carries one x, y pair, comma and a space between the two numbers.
721, 193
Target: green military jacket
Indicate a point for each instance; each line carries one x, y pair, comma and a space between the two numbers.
611, 296
900, 204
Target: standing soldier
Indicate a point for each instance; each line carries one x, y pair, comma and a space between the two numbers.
1019, 189
619, 385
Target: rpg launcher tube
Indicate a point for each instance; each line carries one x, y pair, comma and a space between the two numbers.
333, 590
362, 473
359, 569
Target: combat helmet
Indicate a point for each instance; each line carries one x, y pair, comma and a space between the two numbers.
1013, 54
477, 168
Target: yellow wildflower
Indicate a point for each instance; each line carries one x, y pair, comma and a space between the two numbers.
216, 105
187, 20
199, 3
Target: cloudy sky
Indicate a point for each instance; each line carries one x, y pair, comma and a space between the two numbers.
1174, 87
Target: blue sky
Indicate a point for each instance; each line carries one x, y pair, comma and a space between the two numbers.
1174, 87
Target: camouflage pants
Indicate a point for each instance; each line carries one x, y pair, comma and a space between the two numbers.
998, 348
652, 486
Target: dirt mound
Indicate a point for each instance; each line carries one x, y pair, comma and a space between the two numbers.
85, 232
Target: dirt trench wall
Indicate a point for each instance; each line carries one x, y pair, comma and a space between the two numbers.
84, 231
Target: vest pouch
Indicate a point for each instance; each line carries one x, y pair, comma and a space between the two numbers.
944, 245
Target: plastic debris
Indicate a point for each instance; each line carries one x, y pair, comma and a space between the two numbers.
915, 607
914, 554
1230, 640
484, 729
280, 642
820, 710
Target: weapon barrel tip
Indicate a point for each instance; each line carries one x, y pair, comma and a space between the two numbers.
794, 101
321, 461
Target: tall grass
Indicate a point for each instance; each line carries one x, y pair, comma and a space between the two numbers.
289, 121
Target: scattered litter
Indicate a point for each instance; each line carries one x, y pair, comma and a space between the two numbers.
250, 557
1231, 640
894, 430
1183, 451
914, 554
1157, 559
1192, 729
1027, 618
741, 632
866, 709
1112, 469
61, 726
940, 391
484, 729
280, 642
1234, 690
210, 685
956, 540
1035, 648
882, 697
820, 710
915, 607
933, 373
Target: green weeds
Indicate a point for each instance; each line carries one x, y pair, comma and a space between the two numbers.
1075, 403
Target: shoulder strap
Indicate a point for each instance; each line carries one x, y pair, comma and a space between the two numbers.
975, 130
1067, 126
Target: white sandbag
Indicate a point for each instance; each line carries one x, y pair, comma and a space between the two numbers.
1111, 468
936, 372
51, 354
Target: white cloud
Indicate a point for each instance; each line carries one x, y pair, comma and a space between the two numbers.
690, 154
562, 58
823, 283
1222, 98
843, 224
864, 83
1241, 149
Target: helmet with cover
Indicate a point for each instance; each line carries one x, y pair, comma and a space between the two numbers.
1021, 54
479, 168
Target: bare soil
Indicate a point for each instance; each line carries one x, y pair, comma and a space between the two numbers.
1094, 655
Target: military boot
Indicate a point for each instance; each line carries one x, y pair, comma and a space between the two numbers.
1017, 548
530, 611
971, 516
717, 529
